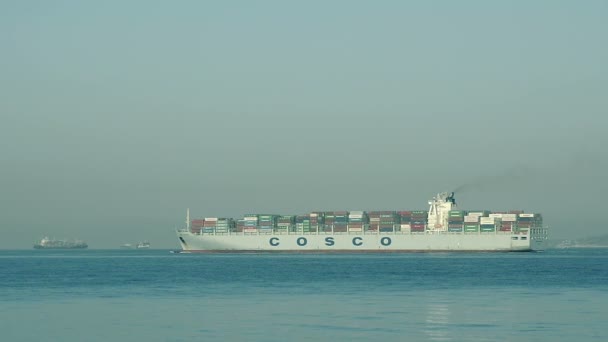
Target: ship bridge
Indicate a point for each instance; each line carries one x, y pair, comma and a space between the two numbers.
439, 211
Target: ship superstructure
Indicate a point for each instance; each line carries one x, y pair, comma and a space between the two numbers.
443, 227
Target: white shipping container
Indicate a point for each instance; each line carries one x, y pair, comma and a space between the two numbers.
249, 230
314, 214
355, 216
358, 212
405, 226
374, 219
495, 215
250, 218
509, 217
526, 215
486, 220
471, 219
355, 229
210, 218
476, 213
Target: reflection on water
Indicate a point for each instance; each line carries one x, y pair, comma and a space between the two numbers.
437, 321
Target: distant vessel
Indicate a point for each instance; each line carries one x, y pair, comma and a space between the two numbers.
126, 246
47, 243
143, 245
443, 227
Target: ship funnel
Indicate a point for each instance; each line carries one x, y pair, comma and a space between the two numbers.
451, 198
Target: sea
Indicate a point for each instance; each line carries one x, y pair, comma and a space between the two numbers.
155, 295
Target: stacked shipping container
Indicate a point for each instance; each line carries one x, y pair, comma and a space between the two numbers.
356, 221
405, 217
471, 221
456, 221
285, 223
373, 221
527, 221
383, 221
507, 221
212, 225
419, 221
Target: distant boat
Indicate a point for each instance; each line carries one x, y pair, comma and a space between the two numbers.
126, 246
143, 245
47, 243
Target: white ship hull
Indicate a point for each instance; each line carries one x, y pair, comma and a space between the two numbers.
360, 243
436, 233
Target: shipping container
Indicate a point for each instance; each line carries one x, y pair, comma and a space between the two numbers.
457, 213
509, 217
486, 220
478, 213
469, 218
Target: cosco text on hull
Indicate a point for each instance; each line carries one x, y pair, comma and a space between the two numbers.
356, 241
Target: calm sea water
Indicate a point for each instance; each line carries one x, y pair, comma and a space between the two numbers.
558, 295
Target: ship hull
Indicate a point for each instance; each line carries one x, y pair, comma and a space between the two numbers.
356, 243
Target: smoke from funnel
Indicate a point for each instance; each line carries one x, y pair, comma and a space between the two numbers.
508, 177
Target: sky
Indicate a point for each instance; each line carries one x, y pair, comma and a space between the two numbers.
116, 116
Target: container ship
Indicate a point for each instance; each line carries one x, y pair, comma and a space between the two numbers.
143, 245
47, 243
443, 227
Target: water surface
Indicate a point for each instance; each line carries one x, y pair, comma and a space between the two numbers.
93, 295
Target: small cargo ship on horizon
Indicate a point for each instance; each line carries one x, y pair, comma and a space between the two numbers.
143, 245
47, 243
139, 245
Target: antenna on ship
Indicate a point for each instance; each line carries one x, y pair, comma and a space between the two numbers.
188, 218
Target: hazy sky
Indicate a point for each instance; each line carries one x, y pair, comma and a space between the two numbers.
116, 116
